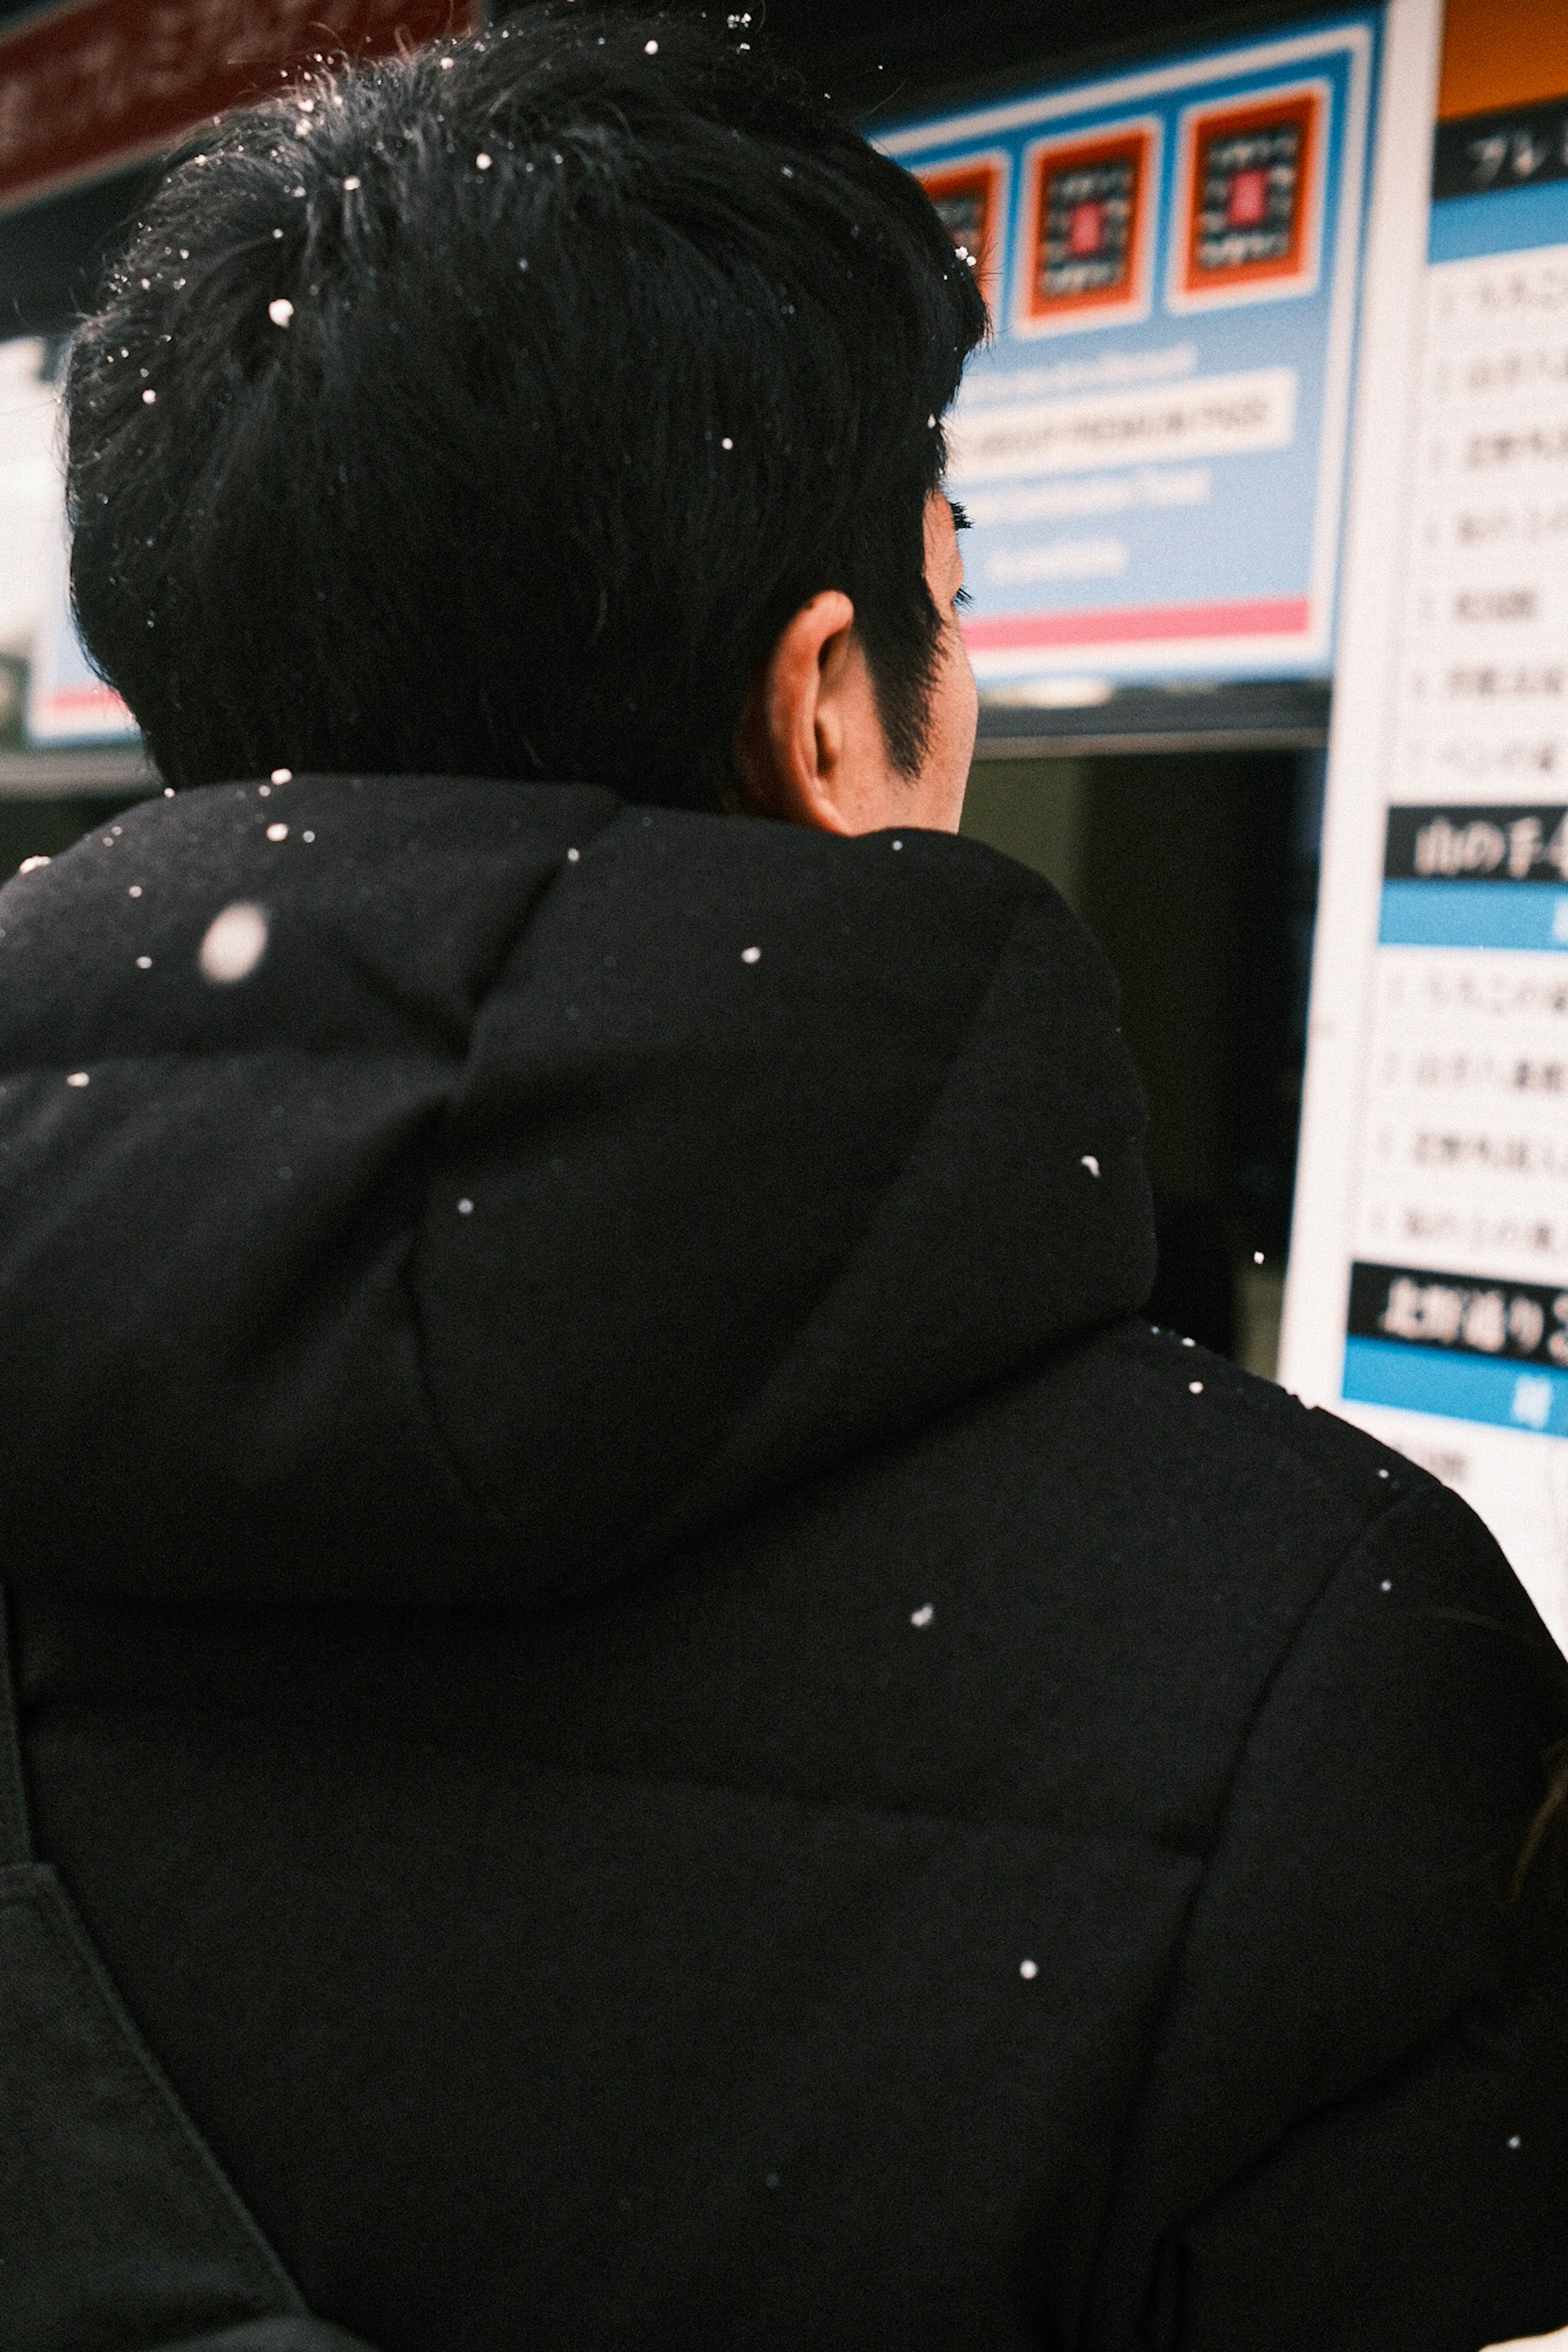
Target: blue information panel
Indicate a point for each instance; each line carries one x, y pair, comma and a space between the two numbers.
1152, 449
67, 702
1470, 1150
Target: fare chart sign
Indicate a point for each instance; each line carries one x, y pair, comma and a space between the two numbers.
1152, 449
1428, 1284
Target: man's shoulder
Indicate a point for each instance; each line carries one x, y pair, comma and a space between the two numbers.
1131, 1386
1064, 1601
1189, 1482
1226, 1514
1355, 1921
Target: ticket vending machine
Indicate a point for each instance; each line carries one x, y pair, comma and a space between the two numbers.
1277, 407
1150, 447
1150, 453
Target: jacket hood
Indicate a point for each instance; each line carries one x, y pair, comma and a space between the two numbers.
562, 1176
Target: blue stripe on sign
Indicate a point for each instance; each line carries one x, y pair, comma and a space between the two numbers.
1473, 915
1460, 1388
1503, 220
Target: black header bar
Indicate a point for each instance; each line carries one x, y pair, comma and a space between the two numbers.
1525, 843
1463, 1314
1522, 148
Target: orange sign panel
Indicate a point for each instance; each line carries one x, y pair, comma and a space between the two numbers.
1250, 197
1089, 229
971, 198
1502, 53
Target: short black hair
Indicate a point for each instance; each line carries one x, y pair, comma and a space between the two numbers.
489, 410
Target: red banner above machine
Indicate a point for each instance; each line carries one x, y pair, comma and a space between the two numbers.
96, 85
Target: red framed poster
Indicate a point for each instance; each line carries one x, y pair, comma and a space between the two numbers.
1086, 250
1249, 200
971, 198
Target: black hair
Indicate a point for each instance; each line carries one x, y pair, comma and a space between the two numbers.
490, 409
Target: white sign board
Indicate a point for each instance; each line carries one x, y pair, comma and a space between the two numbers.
1427, 1296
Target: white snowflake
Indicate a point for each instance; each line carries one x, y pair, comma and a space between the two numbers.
234, 943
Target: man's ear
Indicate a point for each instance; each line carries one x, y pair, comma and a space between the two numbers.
798, 746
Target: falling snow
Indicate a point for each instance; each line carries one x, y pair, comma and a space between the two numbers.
282, 775
923, 1616
235, 944
750, 955
1028, 1970
1194, 1388
1091, 1162
277, 833
78, 1079
281, 311
465, 1208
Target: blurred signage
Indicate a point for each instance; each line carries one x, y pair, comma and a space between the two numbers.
1429, 1273
67, 702
91, 86
1151, 447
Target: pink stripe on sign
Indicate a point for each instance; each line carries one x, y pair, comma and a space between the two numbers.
1257, 617
72, 699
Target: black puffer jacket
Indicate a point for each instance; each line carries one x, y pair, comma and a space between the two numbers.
676, 1728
